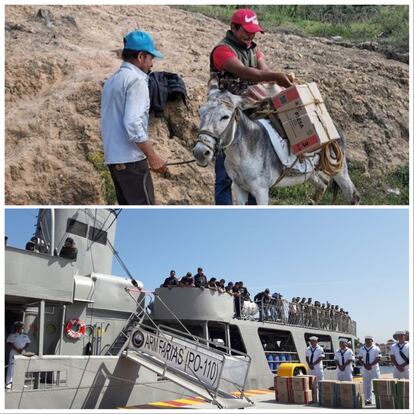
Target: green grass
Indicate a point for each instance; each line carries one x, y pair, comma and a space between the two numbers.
386, 24
374, 190
97, 160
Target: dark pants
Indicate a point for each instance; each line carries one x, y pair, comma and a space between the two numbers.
133, 183
222, 185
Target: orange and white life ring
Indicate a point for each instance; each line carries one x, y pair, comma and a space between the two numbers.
75, 328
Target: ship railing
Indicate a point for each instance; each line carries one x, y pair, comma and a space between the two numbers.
305, 315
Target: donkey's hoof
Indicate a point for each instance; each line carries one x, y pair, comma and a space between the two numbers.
355, 199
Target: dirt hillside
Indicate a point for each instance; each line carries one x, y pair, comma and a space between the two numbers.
57, 58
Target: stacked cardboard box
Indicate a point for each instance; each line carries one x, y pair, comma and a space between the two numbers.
305, 118
296, 390
327, 393
402, 392
302, 389
349, 394
385, 393
283, 389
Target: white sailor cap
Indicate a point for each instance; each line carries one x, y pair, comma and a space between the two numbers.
369, 337
343, 340
313, 338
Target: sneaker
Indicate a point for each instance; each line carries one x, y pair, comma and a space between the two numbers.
368, 402
8, 386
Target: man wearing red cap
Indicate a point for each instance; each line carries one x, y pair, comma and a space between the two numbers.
236, 62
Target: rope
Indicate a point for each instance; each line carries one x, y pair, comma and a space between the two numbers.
285, 172
332, 158
180, 162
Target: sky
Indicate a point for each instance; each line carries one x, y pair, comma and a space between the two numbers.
355, 258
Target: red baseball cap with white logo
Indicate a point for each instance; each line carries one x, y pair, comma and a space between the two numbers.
247, 19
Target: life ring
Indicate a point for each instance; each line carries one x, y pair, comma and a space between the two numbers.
75, 328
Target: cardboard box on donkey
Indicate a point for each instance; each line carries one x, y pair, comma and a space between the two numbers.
305, 118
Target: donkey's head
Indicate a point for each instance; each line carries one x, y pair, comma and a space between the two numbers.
218, 121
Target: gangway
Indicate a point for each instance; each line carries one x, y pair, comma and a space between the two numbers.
191, 363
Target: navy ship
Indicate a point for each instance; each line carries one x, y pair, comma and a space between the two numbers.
101, 341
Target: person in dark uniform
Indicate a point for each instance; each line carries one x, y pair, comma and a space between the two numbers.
229, 288
200, 279
237, 299
69, 250
263, 300
171, 281
187, 280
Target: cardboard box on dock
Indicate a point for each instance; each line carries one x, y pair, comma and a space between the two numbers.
327, 393
402, 388
406, 403
284, 396
327, 386
384, 386
283, 383
305, 118
385, 402
302, 382
283, 389
302, 396
348, 389
401, 393
349, 394
327, 400
355, 402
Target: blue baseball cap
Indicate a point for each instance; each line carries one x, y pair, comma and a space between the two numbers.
142, 42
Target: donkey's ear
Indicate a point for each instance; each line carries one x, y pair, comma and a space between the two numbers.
213, 85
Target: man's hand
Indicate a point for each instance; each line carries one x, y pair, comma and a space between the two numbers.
284, 80
156, 164
367, 366
291, 76
400, 368
311, 366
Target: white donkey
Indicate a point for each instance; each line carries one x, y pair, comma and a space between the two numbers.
251, 162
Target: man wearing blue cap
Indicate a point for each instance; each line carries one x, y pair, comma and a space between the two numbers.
125, 104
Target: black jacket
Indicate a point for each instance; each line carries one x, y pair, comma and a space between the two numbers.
163, 87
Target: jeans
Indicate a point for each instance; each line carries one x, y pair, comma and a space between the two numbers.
133, 183
222, 185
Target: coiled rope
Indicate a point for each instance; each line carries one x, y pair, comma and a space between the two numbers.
331, 158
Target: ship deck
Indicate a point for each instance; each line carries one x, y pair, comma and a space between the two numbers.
263, 399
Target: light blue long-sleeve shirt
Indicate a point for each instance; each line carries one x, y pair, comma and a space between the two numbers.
125, 107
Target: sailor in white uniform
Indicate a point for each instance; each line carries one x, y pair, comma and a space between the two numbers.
314, 356
400, 356
18, 342
343, 359
369, 355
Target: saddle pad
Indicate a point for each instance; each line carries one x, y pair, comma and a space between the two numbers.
281, 147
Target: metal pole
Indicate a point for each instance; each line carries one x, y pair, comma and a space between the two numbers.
52, 232
227, 333
62, 327
205, 329
41, 326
